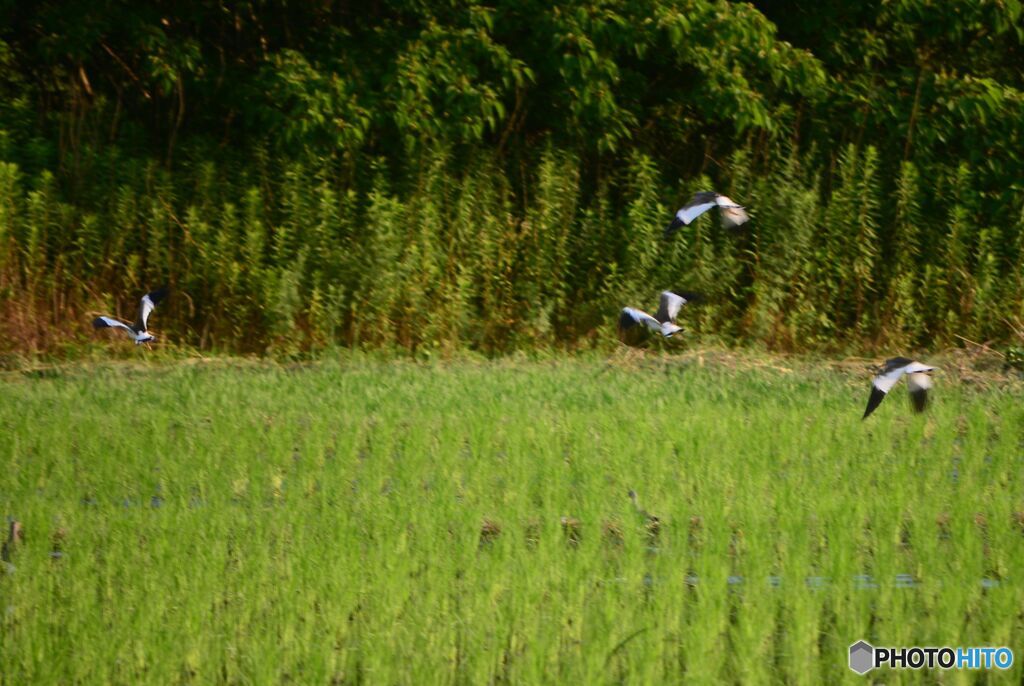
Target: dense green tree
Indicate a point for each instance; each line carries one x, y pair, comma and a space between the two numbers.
497, 174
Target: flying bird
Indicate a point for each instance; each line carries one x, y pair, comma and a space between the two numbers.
664, 321
919, 380
731, 214
137, 330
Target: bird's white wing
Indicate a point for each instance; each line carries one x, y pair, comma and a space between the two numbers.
146, 305
916, 368
733, 217
880, 387
669, 329
726, 201
669, 306
690, 212
886, 380
648, 321
108, 322
145, 308
631, 316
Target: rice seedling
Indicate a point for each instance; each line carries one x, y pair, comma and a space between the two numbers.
392, 522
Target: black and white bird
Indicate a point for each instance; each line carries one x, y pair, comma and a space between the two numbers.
919, 380
731, 213
664, 321
137, 330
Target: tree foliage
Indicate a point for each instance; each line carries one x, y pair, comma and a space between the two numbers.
461, 173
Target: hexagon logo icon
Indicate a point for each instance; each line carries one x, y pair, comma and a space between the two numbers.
862, 657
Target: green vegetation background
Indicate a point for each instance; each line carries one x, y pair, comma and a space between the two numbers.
496, 176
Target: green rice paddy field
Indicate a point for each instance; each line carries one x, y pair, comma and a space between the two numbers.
377, 522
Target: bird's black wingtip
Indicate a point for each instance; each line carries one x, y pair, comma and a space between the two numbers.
874, 401
159, 294
98, 323
672, 227
919, 400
